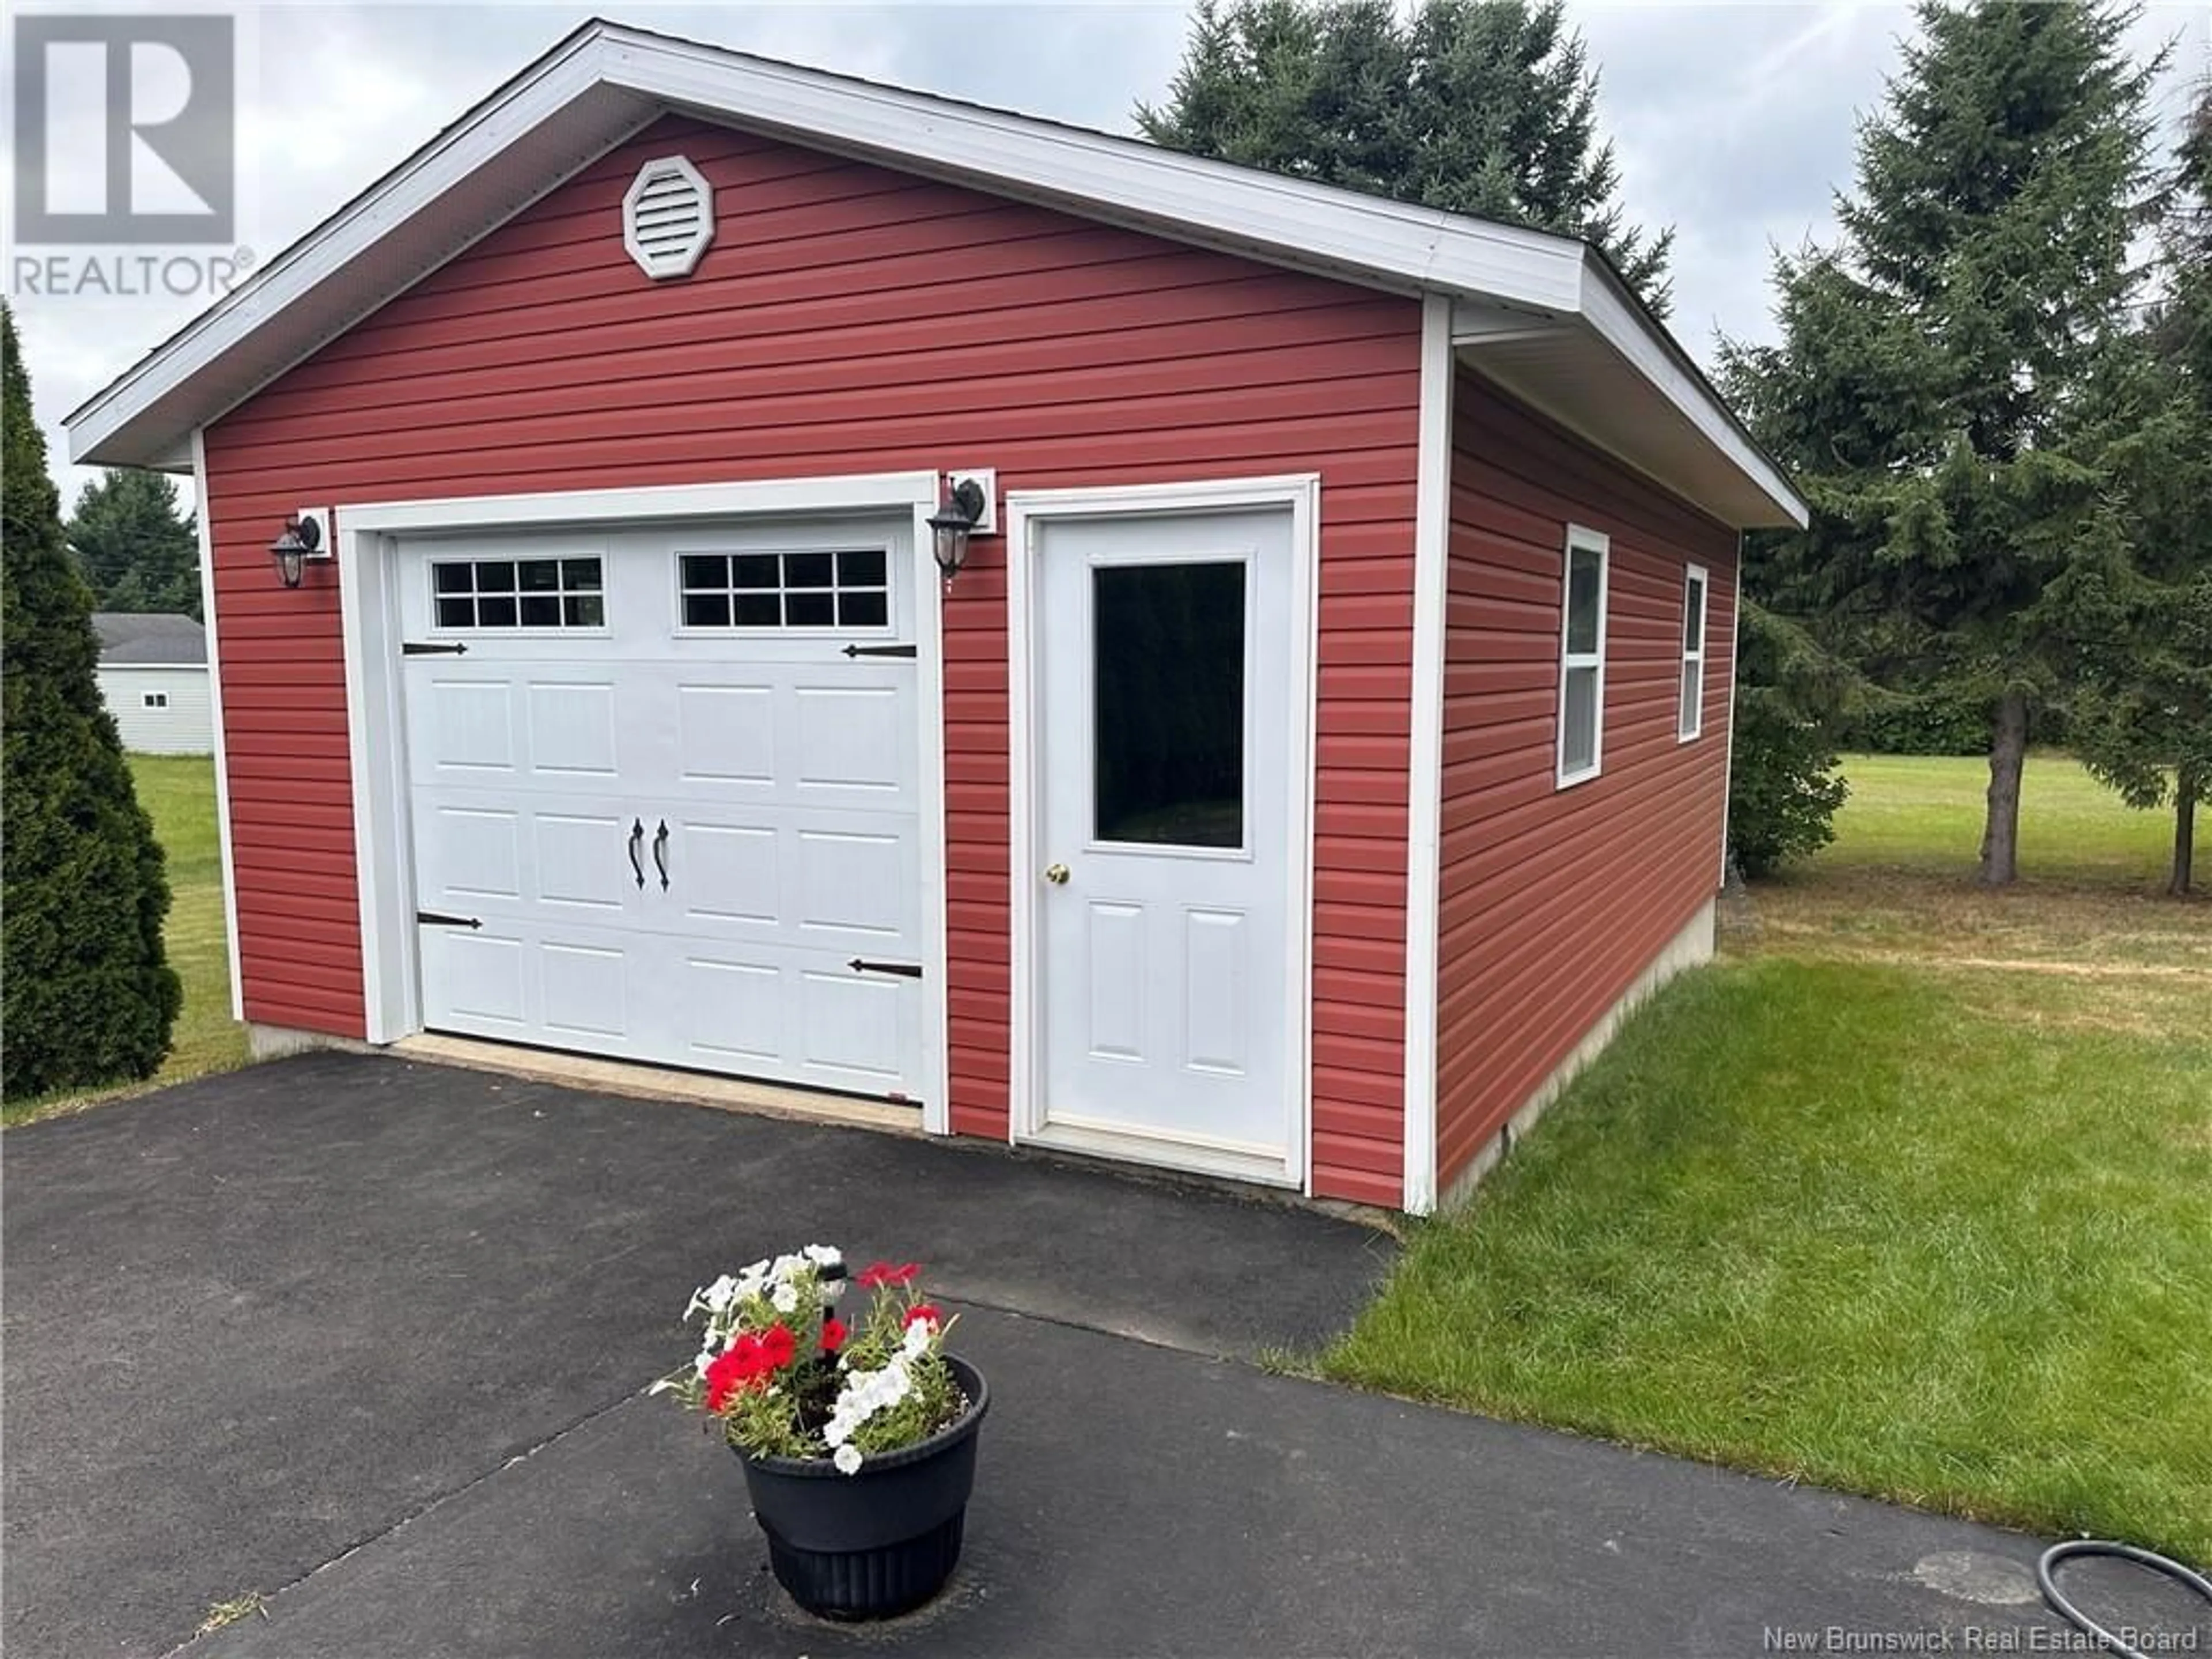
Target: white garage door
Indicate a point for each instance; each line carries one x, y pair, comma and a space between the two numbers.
664, 796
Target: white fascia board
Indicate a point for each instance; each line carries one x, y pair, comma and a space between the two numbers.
441, 165
1625, 327
1289, 220
1190, 197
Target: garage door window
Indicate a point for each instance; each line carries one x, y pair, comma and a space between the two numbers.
849, 589
519, 594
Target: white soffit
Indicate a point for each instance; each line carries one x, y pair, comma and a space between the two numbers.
605, 82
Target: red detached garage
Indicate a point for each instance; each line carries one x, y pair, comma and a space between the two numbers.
1321, 738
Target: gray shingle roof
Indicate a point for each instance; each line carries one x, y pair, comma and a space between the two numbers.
126, 637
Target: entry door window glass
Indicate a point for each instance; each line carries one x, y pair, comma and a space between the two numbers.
1168, 723
518, 593
847, 588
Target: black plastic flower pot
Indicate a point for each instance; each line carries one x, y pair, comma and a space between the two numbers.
879, 1542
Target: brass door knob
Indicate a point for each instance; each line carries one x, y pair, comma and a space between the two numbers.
1056, 874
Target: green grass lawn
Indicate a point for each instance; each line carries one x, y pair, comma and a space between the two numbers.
1924, 814
1911, 1193
179, 793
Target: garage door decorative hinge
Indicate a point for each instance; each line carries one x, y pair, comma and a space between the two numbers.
435, 919
880, 651
903, 969
417, 648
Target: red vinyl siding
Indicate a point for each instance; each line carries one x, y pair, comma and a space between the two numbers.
1554, 901
848, 319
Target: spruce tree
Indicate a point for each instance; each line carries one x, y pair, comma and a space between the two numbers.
134, 549
1929, 386
87, 996
2138, 602
1481, 106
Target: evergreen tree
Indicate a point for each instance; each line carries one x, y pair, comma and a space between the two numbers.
1929, 388
1480, 106
133, 546
2138, 602
88, 996
1783, 787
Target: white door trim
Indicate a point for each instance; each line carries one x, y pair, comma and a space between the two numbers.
366, 536
1025, 510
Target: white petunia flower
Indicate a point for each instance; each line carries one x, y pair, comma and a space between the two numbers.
713, 1297
823, 1255
915, 1342
786, 1266
847, 1460
784, 1298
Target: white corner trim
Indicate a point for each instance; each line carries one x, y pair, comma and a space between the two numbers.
1736, 676
1026, 510
200, 517
1425, 767
1581, 538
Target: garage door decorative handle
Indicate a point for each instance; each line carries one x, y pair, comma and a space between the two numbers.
636, 841
903, 969
660, 853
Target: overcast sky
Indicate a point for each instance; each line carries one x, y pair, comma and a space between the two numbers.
1733, 123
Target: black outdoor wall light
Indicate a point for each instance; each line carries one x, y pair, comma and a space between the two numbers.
952, 524
302, 540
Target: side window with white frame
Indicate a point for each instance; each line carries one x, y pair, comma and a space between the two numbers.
1695, 587
1582, 655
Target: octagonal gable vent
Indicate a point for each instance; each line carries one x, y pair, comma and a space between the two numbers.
668, 217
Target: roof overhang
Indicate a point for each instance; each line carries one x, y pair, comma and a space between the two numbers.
1635, 392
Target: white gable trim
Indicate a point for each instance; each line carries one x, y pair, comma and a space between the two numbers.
605, 81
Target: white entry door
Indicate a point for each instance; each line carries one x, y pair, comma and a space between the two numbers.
1165, 815
665, 796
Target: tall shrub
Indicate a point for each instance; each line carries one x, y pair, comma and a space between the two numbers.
87, 996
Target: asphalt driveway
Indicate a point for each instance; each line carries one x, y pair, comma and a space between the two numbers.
368, 1337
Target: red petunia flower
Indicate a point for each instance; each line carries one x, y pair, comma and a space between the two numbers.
731, 1371
881, 1272
778, 1347
833, 1335
922, 1310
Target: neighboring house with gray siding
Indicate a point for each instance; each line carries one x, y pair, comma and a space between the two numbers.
153, 673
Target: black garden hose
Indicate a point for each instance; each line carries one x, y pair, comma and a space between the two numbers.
2045, 1578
